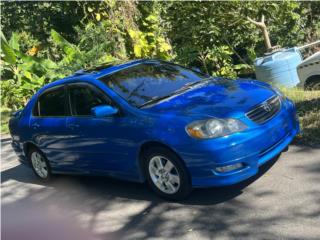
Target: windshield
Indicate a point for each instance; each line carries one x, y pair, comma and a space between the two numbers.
150, 81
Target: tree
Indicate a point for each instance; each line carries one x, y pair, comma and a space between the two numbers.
49, 40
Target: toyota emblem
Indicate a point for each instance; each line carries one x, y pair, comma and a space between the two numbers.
266, 107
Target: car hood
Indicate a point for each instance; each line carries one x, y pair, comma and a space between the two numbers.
217, 98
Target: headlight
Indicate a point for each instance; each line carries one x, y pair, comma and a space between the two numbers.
214, 128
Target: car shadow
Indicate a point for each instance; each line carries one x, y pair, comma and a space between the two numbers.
106, 187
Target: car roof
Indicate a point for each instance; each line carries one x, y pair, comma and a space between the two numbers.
97, 71
107, 68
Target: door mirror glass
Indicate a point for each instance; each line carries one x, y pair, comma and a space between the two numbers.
104, 111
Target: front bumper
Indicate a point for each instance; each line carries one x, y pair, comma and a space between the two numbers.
251, 148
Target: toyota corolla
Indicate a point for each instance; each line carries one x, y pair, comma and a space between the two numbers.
154, 121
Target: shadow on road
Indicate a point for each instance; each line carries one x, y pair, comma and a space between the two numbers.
129, 190
124, 210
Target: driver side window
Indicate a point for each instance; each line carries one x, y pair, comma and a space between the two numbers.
83, 98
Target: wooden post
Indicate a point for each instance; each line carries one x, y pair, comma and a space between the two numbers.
264, 29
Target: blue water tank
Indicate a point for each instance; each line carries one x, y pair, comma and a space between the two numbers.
279, 68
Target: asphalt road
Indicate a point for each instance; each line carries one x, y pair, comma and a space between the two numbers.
282, 202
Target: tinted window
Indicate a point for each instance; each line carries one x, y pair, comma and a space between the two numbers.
150, 80
51, 103
83, 98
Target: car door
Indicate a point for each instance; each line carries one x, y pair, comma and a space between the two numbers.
48, 127
97, 142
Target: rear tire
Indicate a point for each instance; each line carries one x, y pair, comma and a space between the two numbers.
166, 174
39, 164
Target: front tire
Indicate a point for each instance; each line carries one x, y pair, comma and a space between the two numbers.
39, 164
166, 174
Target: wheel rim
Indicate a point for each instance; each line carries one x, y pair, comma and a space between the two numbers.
164, 174
39, 164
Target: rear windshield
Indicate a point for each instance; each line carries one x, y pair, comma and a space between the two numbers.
150, 80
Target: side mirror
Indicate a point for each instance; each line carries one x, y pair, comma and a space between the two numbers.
104, 111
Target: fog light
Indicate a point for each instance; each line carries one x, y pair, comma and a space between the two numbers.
229, 168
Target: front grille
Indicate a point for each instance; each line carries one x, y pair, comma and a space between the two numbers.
265, 111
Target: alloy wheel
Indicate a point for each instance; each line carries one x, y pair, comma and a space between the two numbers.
39, 164
164, 174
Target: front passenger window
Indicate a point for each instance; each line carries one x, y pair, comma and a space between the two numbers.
84, 98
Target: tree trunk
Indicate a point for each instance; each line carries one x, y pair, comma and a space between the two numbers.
264, 30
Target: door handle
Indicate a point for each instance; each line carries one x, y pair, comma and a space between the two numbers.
73, 126
35, 125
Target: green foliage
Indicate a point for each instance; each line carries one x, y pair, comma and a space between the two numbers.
217, 37
39, 17
71, 56
148, 45
49, 40
9, 55
108, 31
22, 75
5, 116
150, 39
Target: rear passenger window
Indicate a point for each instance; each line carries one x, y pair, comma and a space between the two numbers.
51, 104
84, 98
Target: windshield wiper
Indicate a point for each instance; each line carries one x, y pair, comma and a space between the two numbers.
184, 88
156, 99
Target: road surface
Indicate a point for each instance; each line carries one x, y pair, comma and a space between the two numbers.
282, 202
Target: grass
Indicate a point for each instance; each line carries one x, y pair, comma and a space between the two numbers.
308, 110
5, 115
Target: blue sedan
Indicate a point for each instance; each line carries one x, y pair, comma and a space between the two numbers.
154, 121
